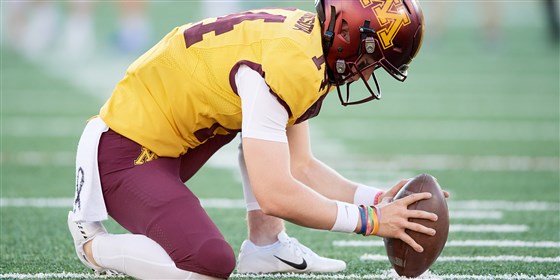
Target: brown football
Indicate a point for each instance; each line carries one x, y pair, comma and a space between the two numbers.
405, 260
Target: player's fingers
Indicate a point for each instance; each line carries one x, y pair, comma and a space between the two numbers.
396, 188
420, 228
419, 214
402, 182
416, 197
408, 240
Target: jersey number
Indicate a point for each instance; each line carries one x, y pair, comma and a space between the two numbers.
225, 24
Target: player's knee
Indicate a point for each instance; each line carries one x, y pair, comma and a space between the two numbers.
215, 257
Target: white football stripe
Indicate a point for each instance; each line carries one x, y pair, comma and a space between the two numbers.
449, 129
227, 158
450, 162
34, 158
382, 276
35, 126
504, 205
488, 228
66, 202
458, 243
474, 206
476, 215
527, 259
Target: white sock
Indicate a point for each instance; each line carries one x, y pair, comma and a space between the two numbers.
251, 247
250, 200
138, 256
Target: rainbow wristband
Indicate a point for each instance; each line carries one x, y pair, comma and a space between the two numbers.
375, 218
378, 212
364, 220
371, 225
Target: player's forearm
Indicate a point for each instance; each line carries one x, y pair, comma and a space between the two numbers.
279, 193
298, 204
324, 180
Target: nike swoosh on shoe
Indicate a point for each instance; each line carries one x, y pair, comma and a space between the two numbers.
300, 266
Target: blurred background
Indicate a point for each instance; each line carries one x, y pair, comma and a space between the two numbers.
485, 83
76, 36
479, 110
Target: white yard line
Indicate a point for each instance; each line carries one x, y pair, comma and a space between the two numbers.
470, 205
476, 215
383, 275
67, 202
453, 162
458, 243
526, 259
504, 205
54, 275
35, 158
448, 129
41, 126
488, 228
391, 274
227, 158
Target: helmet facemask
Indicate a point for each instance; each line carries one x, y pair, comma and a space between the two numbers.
349, 70
369, 56
354, 48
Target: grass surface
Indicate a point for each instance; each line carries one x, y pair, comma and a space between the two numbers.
484, 121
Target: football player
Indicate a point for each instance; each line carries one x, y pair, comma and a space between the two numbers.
261, 74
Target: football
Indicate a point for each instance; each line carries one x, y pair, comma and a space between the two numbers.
405, 260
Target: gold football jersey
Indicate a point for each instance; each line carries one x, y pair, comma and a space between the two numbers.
182, 91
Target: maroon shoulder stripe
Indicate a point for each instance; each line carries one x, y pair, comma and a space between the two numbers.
258, 68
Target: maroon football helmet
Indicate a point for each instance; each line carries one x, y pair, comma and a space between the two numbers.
388, 31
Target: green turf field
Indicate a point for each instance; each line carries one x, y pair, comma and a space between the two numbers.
483, 117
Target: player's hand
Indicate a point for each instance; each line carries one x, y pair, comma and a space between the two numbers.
388, 195
395, 219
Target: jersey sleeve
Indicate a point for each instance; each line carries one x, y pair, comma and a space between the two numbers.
263, 116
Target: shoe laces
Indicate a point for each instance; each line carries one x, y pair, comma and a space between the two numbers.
298, 248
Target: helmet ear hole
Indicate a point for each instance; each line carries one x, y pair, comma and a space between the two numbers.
345, 31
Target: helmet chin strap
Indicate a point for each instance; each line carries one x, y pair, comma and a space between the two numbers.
328, 36
373, 94
368, 46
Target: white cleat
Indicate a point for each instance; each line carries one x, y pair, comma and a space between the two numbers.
287, 255
82, 233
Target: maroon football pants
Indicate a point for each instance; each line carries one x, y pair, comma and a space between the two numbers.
147, 195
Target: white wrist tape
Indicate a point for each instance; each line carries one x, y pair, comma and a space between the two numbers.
365, 195
346, 217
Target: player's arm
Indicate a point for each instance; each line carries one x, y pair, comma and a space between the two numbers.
319, 176
306, 168
277, 191
314, 173
267, 156
280, 195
